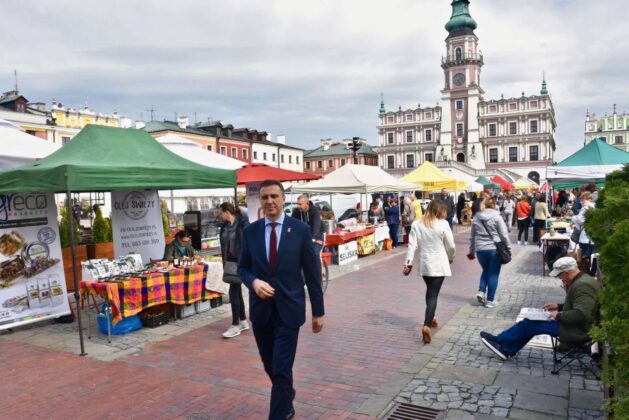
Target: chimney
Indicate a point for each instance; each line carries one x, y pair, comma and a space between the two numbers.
38, 106
183, 122
269, 136
281, 139
140, 125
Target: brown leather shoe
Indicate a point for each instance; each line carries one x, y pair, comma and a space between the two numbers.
426, 337
435, 323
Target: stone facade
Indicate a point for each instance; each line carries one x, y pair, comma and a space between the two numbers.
614, 129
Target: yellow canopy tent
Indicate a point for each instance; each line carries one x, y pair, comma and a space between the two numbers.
433, 179
525, 184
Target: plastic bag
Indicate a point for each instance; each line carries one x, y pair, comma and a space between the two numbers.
126, 325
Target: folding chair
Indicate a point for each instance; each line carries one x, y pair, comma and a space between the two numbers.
579, 352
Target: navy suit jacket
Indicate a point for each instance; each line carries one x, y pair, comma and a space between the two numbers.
295, 253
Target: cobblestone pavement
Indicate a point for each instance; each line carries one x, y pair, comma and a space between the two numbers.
368, 357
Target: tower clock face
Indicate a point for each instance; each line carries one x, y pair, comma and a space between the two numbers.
459, 79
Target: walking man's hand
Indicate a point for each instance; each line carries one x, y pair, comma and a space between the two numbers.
263, 289
317, 324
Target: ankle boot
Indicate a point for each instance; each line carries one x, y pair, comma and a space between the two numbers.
435, 323
426, 337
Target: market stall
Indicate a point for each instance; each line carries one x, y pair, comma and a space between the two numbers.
18, 148
504, 184
432, 179
108, 159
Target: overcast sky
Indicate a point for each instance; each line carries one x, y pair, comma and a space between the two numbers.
309, 69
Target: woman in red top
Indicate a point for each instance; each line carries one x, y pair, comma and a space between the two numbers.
523, 210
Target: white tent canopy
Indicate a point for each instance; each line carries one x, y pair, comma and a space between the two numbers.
18, 148
474, 186
356, 179
559, 173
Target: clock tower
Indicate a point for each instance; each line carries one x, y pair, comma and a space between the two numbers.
460, 140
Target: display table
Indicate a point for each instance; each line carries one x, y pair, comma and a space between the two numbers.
130, 296
547, 240
334, 239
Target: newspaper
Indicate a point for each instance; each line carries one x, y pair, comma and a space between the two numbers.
536, 314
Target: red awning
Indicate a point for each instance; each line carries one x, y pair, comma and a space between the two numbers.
504, 184
258, 172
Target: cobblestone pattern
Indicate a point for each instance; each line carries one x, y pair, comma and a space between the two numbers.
585, 414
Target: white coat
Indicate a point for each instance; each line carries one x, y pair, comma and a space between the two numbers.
434, 247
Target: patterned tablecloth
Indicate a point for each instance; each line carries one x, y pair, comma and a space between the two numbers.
130, 296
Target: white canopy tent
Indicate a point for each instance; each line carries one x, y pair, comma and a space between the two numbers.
474, 186
18, 148
356, 179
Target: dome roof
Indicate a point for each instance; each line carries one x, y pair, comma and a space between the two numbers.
461, 18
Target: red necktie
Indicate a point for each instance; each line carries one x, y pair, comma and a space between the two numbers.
273, 247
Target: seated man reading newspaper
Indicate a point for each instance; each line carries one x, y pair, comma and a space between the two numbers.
570, 321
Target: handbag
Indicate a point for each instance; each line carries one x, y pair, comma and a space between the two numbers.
230, 273
575, 235
504, 253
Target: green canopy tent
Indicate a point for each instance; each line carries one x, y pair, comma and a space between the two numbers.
106, 159
589, 164
487, 183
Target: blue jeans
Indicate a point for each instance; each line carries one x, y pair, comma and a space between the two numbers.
393, 233
513, 339
588, 249
490, 262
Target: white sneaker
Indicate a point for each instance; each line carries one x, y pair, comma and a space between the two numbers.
480, 297
491, 304
232, 331
244, 325
519, 243
526, 243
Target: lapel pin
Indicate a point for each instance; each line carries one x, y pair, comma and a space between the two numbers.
288, 230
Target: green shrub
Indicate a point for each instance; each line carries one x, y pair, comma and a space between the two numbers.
64, 229
608, 226
165, 219
101, 228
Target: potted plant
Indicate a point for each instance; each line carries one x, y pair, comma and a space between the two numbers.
102, 245
66, 248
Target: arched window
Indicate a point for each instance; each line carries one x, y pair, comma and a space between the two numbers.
460, 157
457, 54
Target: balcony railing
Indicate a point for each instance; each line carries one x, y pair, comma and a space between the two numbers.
451, 60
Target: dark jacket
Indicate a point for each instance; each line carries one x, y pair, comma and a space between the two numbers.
476, 205
312, 218
393, 215
449, 203
230, 251
578, 313
171, 252
460, 204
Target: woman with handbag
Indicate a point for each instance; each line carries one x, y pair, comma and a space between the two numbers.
431, 238
488, 228
231, 238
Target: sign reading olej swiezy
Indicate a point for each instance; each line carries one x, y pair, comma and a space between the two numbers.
32, 280
136, 220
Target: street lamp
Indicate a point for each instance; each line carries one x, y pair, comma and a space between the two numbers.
354, 147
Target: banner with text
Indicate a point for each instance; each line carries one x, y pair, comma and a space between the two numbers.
348, 252
254, 207
32, 281
136, 220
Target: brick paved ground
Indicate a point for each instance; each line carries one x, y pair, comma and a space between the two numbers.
369, 355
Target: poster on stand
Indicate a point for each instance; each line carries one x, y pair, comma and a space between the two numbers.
32, 280
136, 221
254, 208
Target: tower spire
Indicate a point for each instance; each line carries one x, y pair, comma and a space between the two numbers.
544, 91
461, 18
382, 110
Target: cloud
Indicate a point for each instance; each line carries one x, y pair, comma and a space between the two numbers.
308, 69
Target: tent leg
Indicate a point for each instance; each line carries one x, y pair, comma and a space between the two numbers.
74, 271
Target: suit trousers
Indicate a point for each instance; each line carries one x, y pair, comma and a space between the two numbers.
277, 344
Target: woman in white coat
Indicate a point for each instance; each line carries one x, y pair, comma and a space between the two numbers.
431, 239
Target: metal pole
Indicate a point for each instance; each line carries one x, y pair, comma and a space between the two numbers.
74, 271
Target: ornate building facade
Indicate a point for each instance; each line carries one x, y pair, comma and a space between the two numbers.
517, 134
613, 129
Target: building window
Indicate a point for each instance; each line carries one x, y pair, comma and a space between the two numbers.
234, 153
273, 155
290, 158
409, 117
459, 104
255, 155
457, 54
618, 140
513, 128
223, 150
492, 130
513, 154
282, 158
492, 108
428, 157
65, 140
245, 155
320, 164
534, 104
459, 130
307, 165
330, 163
389, 138
263, 155
428, 135
429, 115
533, 152
342, 162
297, 160
410, 161
389, 119
513, 106
493, 155
390, 162
409, 136
533, 125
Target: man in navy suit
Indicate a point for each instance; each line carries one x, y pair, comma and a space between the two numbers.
275, 251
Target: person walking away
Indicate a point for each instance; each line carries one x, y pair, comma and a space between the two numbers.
408, 214
541, 215
585, 243
487, 228
523, 212
432, 241
308, 213
460, 205
274, 253
392, 215
417, 206
230, 234
447, 198
509, 208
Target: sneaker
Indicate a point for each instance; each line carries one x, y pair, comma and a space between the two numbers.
519, 243
493, 345
491, 304
486, 335
232, 331
526, 243
480, 297
244, 325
